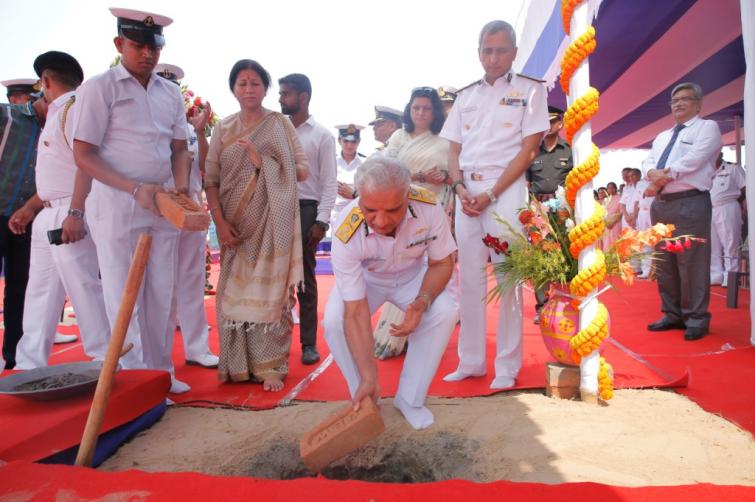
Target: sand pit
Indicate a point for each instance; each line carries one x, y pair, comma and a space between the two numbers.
642, 438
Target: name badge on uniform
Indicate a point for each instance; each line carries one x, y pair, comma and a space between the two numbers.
421, 241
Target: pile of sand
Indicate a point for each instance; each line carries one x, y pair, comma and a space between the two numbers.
642, 438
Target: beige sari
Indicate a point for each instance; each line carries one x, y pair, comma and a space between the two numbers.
422, 153
255, 290
612, 205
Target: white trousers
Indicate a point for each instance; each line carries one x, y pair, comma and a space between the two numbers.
725, 241
473, 258
189, 299
116, 222
54, 272
643, 223
426, 344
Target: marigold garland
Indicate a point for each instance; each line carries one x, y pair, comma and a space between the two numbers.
577, 52
605, 380
589, 338
567, 9
589, 231
580, 112
581, 174
589, 277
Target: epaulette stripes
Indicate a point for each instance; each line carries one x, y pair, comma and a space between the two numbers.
531, 78
421, 194
350, 225
468, 86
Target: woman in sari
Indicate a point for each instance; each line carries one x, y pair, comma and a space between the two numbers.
252, 167
425, 153
420, 148
612, 205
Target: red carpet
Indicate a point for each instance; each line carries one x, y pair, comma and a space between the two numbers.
69, 483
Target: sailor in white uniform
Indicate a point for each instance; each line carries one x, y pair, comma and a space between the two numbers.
392, 244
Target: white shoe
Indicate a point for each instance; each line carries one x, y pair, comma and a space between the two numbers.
178, 387
502, 382
61, 338
457, 376
207, 360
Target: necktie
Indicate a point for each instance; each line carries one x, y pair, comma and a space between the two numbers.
664, 156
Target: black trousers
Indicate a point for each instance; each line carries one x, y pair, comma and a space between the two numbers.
684, 278
307, 296
15, 251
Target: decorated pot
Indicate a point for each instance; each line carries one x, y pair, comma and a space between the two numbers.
559, 322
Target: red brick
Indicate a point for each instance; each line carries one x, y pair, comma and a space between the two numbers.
561, 381
181, 211
341, 434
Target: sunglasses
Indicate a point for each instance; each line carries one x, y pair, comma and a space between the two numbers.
424, 91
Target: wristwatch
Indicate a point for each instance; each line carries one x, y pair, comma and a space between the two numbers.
76, 213
491, 195
322, 225
457, 183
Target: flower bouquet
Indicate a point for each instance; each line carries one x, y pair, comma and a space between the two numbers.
195, 105
544, 251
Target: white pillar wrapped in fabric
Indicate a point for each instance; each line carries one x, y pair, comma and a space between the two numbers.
747, 11
581, 149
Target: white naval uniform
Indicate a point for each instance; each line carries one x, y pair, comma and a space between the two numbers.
66, 269
726, 228
643, 219
490, 121
391, 269
133, 128
189, 299
627, 199
345, 173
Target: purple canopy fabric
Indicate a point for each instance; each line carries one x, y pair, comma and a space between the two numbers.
645, 48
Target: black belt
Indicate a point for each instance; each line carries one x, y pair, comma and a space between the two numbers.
308, 202
680, 195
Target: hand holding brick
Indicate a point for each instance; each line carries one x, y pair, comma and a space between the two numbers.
341, 434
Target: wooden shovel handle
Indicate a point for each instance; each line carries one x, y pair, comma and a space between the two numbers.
109, 365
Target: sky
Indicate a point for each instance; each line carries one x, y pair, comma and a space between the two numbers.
357, 54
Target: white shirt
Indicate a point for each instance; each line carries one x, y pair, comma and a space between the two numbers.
55, 168
692, 160
345, 174
195, 175
320, 146
727, 184
371, 258
132, 126
490, 121
643, 202
627, 199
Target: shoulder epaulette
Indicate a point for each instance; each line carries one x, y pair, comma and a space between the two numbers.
531, 78
421, 194
350, 225
64, 118
468, 86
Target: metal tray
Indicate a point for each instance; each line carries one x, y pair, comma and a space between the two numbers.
91, 370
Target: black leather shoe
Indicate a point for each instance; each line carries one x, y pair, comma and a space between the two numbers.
309, 355
692, 334
665, 324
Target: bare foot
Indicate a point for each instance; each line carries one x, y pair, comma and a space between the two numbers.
272, 385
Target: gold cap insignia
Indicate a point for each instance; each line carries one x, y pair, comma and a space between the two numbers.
148, 21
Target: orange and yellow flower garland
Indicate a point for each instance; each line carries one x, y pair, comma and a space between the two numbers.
580, 49
589, 338
581, 174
